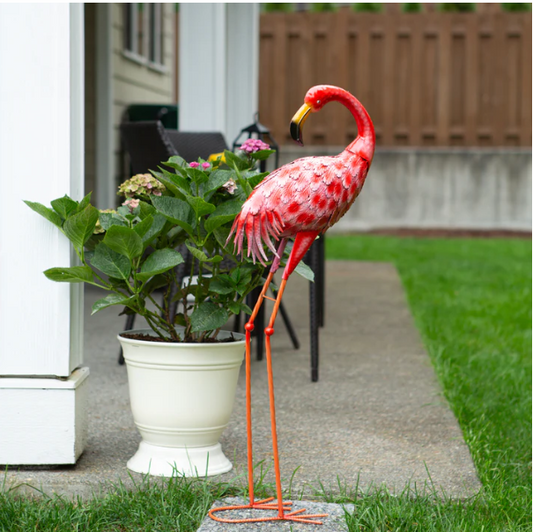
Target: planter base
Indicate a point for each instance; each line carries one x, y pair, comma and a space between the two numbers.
171, 461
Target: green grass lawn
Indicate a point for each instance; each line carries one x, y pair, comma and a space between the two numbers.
471, 299
472, 304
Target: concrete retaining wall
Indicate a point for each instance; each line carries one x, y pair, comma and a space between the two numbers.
439, 188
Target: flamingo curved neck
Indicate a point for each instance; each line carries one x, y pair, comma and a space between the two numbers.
366, 139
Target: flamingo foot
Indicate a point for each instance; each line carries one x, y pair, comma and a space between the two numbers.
298, 516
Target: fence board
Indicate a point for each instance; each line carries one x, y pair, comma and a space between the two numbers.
525, 93
471, 81
427, 79
444, 80
501, 80
414, 119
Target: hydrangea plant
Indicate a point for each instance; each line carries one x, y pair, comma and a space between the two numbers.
133, 251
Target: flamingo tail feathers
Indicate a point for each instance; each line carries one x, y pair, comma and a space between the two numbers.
259, 230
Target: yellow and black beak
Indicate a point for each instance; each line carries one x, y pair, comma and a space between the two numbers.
297, 123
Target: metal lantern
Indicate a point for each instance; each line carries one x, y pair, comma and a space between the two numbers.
261, 132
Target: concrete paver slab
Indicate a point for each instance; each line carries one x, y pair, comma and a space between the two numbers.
334, 522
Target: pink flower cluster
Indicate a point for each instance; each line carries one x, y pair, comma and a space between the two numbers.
205, 166
131, 204
253, 145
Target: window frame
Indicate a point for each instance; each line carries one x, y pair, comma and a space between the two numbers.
150, 51
155, 41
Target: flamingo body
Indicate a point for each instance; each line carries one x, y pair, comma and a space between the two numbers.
309, 194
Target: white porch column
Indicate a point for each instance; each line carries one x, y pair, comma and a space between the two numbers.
42, 394
218, 79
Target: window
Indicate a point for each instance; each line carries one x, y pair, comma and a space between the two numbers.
143, 34
155, 54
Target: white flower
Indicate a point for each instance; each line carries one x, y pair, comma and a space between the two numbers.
230, 186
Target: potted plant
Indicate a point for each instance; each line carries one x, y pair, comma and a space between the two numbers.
182, 371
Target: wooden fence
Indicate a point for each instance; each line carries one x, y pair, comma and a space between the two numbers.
427, 79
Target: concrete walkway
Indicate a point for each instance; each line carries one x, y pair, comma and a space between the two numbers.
375, 417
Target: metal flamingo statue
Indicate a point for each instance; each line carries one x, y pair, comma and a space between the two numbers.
299, 200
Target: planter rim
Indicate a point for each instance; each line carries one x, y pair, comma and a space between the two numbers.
192, 345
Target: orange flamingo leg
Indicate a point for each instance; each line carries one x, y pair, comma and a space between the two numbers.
302, 243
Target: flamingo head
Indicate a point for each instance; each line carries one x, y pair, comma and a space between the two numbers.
314, 100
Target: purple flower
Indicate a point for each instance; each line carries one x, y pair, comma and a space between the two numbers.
194, 165
253, 145
205, 166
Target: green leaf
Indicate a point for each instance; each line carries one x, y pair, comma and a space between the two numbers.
80, 227
237, 307
124, 211
74, 274
91, 244
198, 254
208, 317
45, 212
179, 181
110, 262
262, 155
84, 202
218, 178
222, 284
110, 300
176, 162
171, 187
200, 206
158, 262
144, 226
124, 240
179, 319
234, 160
64, 206
255, 179
305, 271
154, 283
177, 211
197, 176
242, 277
107, 219
156, 227
221, 235
224, 213
145, 209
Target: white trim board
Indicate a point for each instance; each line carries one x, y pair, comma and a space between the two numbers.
44, 421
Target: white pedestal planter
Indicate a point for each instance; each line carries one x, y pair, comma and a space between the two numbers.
182, 396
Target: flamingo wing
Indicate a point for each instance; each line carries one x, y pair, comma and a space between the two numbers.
309, 194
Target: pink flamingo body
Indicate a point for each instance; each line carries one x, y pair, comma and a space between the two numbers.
301, 199
311, 194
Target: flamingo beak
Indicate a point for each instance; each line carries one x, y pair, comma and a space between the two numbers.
297, 123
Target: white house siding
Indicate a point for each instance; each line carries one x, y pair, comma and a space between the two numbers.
138, 83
